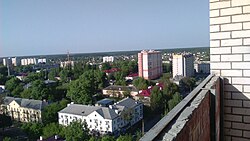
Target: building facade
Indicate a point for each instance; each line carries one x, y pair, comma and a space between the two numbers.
28, 61
104, 120
16, 61
150, 64
202, 67
108, 59
23, 110
119, 91
183, 65
230, 58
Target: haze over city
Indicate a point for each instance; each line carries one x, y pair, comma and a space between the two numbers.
30, 27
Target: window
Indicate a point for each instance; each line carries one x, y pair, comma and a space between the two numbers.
107, 122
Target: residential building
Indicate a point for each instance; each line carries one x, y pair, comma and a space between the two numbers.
23, 110
28, 61
202, 67
119, 91
108, 59
16, 61
7, 61
42, 61
103, 120
69, 64
150, 64
183, 65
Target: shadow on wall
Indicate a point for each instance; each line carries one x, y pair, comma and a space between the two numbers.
236, 111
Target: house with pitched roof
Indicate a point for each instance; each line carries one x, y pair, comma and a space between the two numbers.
23, 110
103, 120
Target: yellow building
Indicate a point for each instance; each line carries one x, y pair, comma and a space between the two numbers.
24, 110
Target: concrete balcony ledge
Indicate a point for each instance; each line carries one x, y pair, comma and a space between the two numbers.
191, 118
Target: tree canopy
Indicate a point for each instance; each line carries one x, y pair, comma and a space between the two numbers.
90, 83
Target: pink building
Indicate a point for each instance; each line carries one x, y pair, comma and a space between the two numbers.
150, 64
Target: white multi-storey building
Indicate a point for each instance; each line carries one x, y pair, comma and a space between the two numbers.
67, 64
16, 61
42, 60
108, 59
28, 61
150, 64
7, 61
183, 65
104, 120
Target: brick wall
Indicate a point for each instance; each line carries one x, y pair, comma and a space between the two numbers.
198, 126
230, 58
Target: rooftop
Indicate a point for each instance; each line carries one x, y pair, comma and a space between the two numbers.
27, 103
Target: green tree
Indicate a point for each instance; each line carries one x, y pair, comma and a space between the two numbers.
187, 84
174, 101
121, 82
108, 138
3, 70
124, 138
106, 66
5, 121
33, 76
76, 131
170, 88
33, 130
39, 90
156, 99
3, 79
53, 129
14, 86
49, 113
6, 139
52, 74
64, 74
89, 83
141, 83
78, 70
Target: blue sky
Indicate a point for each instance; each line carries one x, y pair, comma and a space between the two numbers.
40, 27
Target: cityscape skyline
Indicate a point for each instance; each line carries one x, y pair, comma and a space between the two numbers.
95, 26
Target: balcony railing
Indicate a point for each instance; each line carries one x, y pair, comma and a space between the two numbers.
196, 117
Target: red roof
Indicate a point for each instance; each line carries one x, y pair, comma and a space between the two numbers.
112, 70
133, 75
147, 93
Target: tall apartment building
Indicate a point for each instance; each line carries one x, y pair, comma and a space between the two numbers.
7, 61
183, 65
150, 64
16, 61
